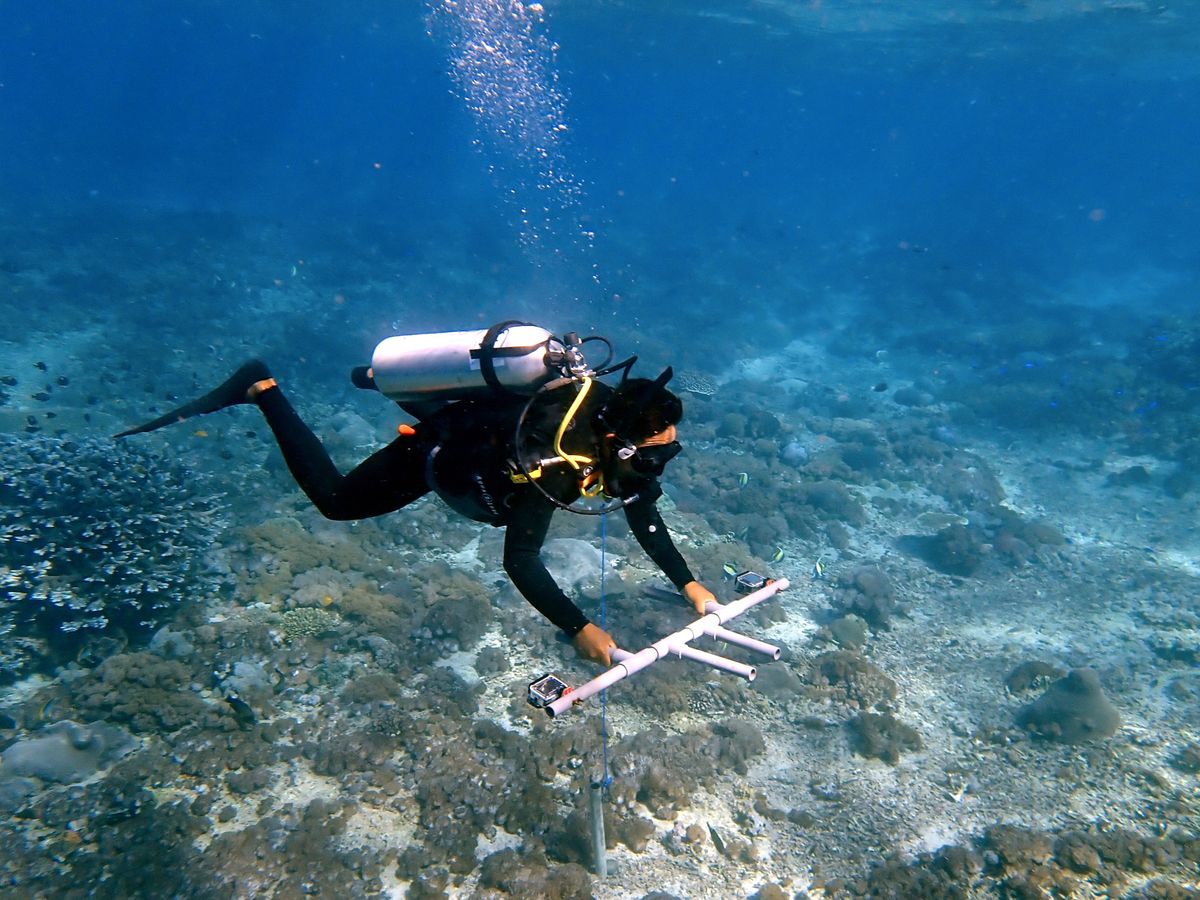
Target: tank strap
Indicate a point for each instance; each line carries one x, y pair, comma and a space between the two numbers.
488, 353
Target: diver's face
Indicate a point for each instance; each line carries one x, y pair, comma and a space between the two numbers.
631, 468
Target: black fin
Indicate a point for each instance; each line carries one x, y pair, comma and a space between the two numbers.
231, 392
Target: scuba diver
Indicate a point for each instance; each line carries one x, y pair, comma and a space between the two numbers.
512, 425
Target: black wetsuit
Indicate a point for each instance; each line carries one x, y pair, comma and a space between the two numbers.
462, 452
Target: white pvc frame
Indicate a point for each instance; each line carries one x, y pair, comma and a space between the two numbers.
716, 615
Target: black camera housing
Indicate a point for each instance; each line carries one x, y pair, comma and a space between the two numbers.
748, 582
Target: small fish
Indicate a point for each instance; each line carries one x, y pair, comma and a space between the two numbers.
241, 710
743, 479
46, 709
717, 840
199, 432
880, 387
818, 570
730, 569
125, 809
40, 366
777, 556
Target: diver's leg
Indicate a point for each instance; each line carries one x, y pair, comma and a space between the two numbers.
385, 481
235, 389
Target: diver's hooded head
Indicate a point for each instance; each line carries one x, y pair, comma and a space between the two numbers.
638, 409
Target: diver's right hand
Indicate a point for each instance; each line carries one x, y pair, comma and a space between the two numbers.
595, 643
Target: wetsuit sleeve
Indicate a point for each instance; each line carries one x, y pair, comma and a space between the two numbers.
647, 526
523, 538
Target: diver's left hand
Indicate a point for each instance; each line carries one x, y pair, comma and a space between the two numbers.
697, 594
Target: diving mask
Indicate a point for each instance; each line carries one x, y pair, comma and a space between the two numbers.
653, 459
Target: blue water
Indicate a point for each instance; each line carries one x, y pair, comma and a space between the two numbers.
989, 140
941, 259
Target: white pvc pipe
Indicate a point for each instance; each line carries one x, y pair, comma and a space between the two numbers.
732, 637
717, 662
632, 663
737, 607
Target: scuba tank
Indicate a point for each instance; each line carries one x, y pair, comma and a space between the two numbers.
427, 374
510, 357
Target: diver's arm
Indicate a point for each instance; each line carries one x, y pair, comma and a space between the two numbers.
647, 526
523, 539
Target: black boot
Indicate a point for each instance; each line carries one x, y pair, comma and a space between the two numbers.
230, 393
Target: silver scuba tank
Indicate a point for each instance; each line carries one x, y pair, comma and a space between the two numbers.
454, 365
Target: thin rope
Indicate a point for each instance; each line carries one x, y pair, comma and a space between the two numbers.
607, 780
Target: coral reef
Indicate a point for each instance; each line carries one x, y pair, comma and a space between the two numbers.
1031, 674
993, 532
371, 688
1015, 861
833, 501
96, 538
695, 758
849, 632
364, 749
1072, 710
66, 752
1188, 759
956, 549
867, 593
140, 689
469, 781
491, 661
882, 736
519, 875
850, 678
947, 874
642, 779
307, 621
